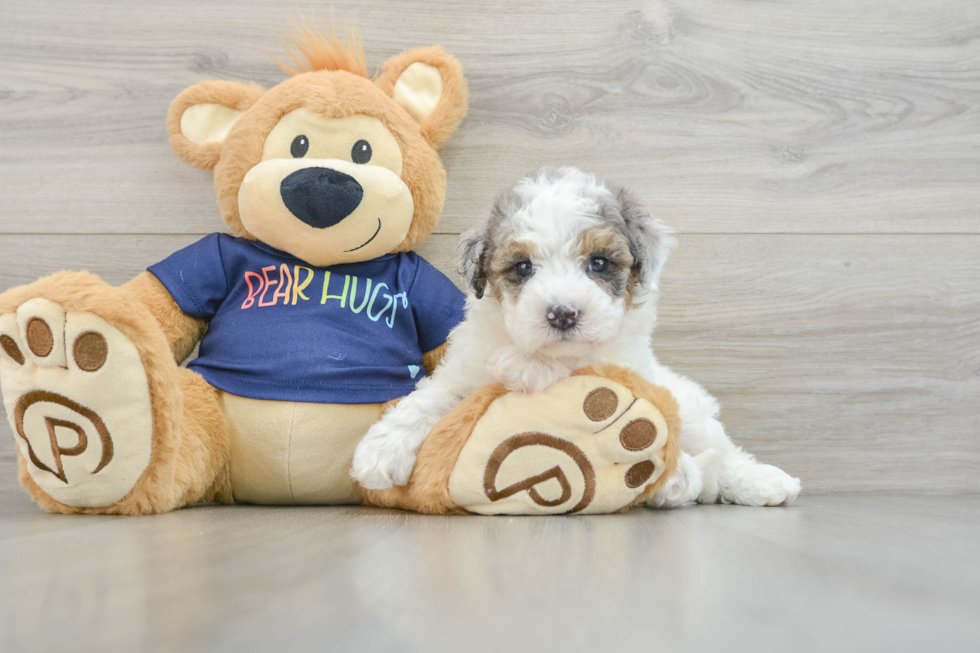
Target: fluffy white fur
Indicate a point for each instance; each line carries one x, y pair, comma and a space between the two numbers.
509, 340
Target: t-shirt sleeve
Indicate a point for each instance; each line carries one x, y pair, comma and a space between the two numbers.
437, 304
195, 277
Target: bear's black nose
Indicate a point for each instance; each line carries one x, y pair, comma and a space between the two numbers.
320, 197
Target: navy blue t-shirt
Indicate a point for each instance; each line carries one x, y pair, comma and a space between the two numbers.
285, 330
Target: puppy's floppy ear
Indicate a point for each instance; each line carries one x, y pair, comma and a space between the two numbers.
202, 115
429, 84
650, 240
477, 246
473, 258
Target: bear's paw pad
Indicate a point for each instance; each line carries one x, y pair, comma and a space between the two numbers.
585, 445
78, 402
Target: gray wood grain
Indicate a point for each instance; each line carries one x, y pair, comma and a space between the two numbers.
838, 116
852, 361
837, 573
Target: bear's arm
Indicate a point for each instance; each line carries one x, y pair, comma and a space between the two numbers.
431, 359
183, 331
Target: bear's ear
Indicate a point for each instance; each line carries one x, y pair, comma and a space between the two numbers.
202, 115
429, 85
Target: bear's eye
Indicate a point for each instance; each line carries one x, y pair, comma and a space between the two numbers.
598, 264
361, 152
300, 146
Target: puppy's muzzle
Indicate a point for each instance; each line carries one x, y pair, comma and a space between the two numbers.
320, 197
562, 318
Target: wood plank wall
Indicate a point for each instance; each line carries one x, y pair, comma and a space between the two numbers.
820, 161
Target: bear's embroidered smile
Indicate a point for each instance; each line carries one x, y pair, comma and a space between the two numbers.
375, 235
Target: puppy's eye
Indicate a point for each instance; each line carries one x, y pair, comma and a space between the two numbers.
300, 146
361, 152
524, 269
598, 264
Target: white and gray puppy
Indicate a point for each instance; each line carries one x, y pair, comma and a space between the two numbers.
564, 274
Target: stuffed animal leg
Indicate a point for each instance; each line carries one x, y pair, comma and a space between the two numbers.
598, 442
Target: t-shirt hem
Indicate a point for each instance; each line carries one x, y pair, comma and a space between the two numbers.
251, 389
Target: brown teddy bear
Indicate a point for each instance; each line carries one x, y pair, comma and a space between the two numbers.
312, 317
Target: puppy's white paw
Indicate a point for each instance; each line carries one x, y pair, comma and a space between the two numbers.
757, 484
709, 462
683, 487
382, 459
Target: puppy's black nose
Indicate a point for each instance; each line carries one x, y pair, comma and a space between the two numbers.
320, 197
562, 318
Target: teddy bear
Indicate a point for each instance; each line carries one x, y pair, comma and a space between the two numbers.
311, 317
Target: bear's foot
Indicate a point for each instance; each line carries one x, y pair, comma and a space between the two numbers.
77, 397
91, 396
585, 445
597, 442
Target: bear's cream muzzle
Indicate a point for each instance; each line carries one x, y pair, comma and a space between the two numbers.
326, 211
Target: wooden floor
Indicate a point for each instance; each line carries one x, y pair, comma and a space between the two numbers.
869, 572
821, 163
